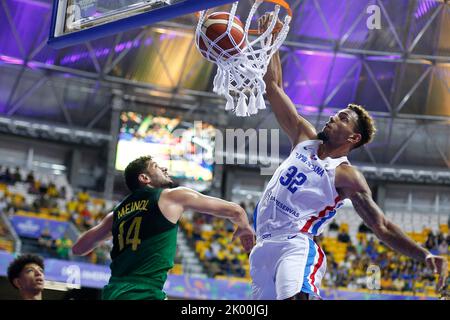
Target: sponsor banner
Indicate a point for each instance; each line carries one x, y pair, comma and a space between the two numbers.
182, 286
73, 273
31, 227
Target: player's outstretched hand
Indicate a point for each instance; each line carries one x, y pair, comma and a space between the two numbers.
247, 237
439, 266
264, 22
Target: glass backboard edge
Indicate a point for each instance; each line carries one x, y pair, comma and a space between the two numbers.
147, 18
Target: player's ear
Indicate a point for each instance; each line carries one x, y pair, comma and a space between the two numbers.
16, 282
354, 138
144, 178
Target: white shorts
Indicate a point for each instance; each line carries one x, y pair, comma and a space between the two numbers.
282, 266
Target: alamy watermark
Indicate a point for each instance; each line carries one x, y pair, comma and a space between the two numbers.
257, 147
373, 277
374, 20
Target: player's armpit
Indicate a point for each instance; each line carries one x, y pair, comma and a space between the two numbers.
91, 238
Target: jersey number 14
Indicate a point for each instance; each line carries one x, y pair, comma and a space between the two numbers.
132, 236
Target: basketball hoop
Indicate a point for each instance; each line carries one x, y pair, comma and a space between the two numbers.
241, 69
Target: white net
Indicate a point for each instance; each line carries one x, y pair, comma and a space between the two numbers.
240, 75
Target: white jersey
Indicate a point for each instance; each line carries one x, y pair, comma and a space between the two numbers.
301, 196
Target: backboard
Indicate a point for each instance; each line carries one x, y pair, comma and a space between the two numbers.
77, 21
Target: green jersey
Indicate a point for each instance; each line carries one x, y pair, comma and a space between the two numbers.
144, 246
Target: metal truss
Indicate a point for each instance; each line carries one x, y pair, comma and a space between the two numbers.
50, 131
193, 100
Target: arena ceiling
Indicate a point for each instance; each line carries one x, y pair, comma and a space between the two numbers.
401, 73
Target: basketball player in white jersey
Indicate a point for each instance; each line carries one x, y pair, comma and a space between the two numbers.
304, 193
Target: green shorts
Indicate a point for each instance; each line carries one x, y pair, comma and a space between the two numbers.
131, 290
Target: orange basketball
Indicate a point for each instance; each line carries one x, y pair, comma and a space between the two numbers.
214, 27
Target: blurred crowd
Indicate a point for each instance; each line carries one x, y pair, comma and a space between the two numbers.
349, 261
370, 261
28, 196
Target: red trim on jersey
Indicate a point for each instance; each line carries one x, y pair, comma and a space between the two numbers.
321, 215
317, 267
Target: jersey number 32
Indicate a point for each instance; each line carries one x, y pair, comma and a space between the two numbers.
292, 180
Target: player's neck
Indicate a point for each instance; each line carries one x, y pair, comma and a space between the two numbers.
31, 295
327, 150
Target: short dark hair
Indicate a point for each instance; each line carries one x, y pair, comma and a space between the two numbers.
365, 125
133, 170
17, 265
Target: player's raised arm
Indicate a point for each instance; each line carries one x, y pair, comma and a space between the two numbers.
356, 189
173, 202
296, 127
89, 240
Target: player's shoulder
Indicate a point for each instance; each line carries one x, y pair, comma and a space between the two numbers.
175, 194
348, 176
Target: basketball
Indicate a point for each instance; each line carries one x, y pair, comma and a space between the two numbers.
215, 28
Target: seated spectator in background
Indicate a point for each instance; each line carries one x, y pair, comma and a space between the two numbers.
7, 176
30, 178
42, 188
3, 203
430, 243
334, 225
333, 229
26, 273
52, 192
363, 228
83, 196
46, 241
343, 237
63, 192
17, 177
443, 247
71, 206
398, 284
34, 187
63, 246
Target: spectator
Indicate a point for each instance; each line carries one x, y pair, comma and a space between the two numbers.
431, 241
17, 177
7, 176
334, 226
363, 228
83, 196
52, 192
443, 248
30, 178
26, 273
63, 192
398, 284
386, 282
334, 229
46, 241
344, 237
63, 246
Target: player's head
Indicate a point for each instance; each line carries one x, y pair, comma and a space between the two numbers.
26, 273
352, 126
144, 171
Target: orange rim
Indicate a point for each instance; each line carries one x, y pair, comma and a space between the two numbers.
282, 3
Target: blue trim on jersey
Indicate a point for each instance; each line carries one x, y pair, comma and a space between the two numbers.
322, 221
255, 214
306, 288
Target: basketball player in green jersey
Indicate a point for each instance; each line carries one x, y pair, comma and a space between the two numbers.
144, 230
